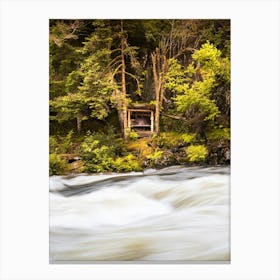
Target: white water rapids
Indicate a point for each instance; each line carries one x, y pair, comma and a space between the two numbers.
173, 214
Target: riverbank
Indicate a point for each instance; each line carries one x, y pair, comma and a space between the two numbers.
98, 152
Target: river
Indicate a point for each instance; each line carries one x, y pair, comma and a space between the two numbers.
173, 214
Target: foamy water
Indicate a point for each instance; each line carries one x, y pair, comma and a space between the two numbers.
175, 214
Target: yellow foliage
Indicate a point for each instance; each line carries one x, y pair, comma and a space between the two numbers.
141, 146
169, 139
196, 153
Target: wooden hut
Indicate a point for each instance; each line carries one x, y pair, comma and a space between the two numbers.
140, 119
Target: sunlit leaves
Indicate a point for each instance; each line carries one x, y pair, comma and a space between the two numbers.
196, 153
209, 58
193, 86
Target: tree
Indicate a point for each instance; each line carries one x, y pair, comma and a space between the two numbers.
159, 68
172, 43
193, 86
99, 82
98, 66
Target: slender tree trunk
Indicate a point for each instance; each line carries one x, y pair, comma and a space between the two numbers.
119, 109
159, 70
156, 85
123, 97
79, 122
157, 110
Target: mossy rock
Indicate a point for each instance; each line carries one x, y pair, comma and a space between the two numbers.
164, 159
76, 166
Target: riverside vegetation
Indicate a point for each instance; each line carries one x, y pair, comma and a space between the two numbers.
100, 68
100, 152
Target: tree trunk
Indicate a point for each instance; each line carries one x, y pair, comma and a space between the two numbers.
157, 90
159, 70
79, 122
119, 109
123, 97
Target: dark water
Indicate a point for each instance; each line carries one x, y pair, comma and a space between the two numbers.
174, 214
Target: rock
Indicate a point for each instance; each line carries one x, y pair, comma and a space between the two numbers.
76, 166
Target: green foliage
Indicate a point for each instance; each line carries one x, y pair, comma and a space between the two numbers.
176, 125
191, 96
97, 86
219, 134
61, 144
63, 56
169, 140
218, 32
141, 147
102, 153
157, 154
53, 145
188, 138
209, 58
57, 165
66, 143
97, 157
193, 100
100, 156
196, 153
90, 88
126, 164
108, 138
194, 86
154, 158
86, 84
133, 135
177, 79
154, 30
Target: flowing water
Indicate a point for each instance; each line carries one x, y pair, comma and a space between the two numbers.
173, 214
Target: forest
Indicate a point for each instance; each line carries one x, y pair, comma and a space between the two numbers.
126, 95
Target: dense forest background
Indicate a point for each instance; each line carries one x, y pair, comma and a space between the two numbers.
180, 69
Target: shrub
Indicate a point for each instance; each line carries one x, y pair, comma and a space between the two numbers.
66, 143
176, 125
188, 138
61, 144
142, 147
57, 165
53, 145
97, 157
155, 157
169, 140
127, 163
219, 134
133, 135
99, 152
196, 153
